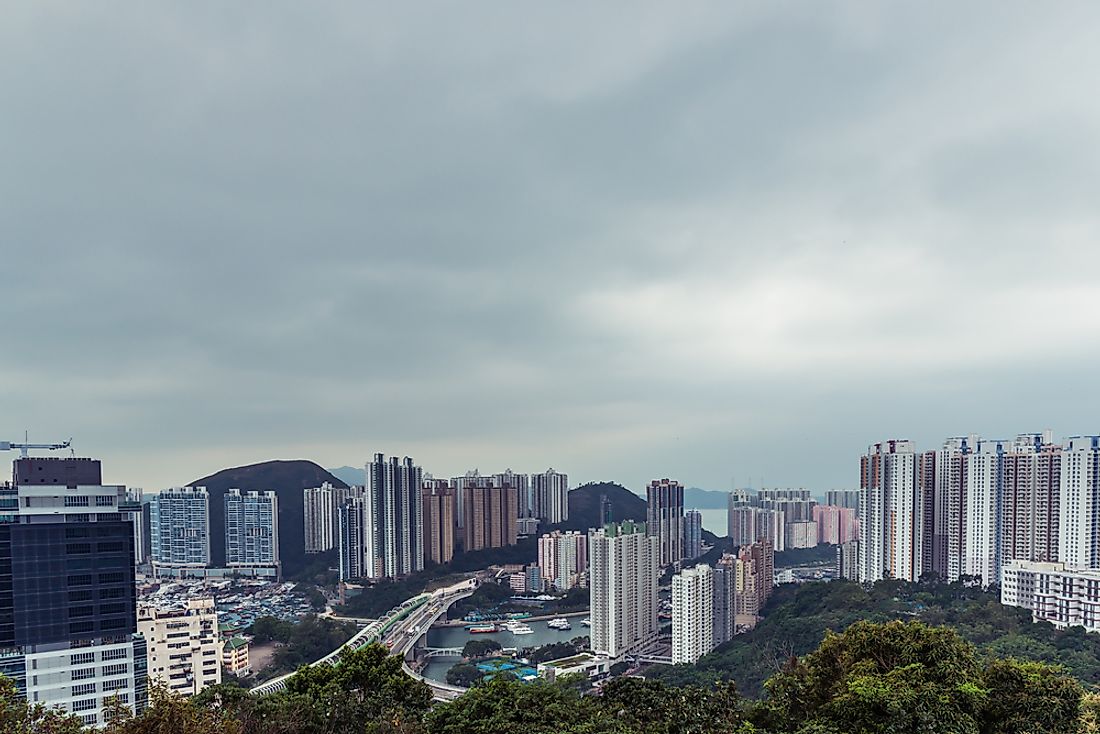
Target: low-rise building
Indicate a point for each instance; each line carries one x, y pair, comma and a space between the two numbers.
183, 646
235, 657
584, 663
1054, 592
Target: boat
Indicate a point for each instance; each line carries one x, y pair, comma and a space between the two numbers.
586, 622
518, 628
481, 629
561, 623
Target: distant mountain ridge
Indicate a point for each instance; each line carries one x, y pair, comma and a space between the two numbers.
350, 475
287, 479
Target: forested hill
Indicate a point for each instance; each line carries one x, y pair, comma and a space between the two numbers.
797, 617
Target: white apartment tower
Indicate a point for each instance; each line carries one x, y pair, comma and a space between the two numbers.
319, 515
252, 531
1029, 506
1079, 503
890, 512
623, 573
981, 541
550, 494
180, 528
183, 648
563, 558
393, 518
692, 614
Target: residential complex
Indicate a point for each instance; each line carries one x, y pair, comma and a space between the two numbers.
624, 565
692, 614
550, 496
180, 528
252, 532
392, 518
320, 506
967, 509
563, 558
183, 649
490, 517
665, 518
438, 499
835, 524
68, 637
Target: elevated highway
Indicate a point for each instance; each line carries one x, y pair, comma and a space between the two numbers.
398, 629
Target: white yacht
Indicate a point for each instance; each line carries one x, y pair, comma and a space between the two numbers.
561, 623
518, 628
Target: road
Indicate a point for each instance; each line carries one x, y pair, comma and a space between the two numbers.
398, 630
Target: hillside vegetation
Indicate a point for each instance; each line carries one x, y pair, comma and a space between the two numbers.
797, 618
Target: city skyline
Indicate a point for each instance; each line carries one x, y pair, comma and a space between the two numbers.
595, 228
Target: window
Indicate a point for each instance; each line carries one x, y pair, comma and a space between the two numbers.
76, 548
104, 500
116, 684
85, 704
114, 593
114, 654
83, 579
76, 628
83, 689
82, 658
76, 500
111, 578
83, 674
80, 596
118, 669
82, 611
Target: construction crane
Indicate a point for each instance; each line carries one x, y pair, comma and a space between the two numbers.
25, 447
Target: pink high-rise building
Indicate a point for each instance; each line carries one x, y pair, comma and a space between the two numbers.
836, 525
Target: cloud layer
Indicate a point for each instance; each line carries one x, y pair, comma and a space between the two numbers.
627, 242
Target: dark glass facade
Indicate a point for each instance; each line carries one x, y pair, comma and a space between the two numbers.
62, 582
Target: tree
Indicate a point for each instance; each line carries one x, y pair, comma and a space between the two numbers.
170, 713
909, 677
19, 717
480, 648
653, 707
465, 675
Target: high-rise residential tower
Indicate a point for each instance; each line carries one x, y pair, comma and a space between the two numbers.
525, 495
180, 528
890, 513
563, 558
351, 539
665, 518
624, 566
439, 521
550, 491
68, 618
319, 506
692, 614
1079, 503
693, 534
491, 514
981, 548
1029, 507
252, 532
725, 599
393, 518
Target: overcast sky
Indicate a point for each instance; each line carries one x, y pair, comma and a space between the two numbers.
711, 242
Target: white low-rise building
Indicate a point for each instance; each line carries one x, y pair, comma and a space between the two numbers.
1054, 592
184, 652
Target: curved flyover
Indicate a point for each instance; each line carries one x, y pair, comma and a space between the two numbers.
398, 629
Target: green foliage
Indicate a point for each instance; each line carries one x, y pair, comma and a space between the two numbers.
907, 677
19, 717
170, 713
558, 650
797, 618
477, 648
310, 639
464, 674
817, 555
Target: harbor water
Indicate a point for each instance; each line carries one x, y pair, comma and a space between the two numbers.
458, 636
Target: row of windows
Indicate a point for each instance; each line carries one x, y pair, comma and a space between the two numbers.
86, 579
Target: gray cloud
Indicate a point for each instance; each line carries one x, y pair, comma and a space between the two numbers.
622, 241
